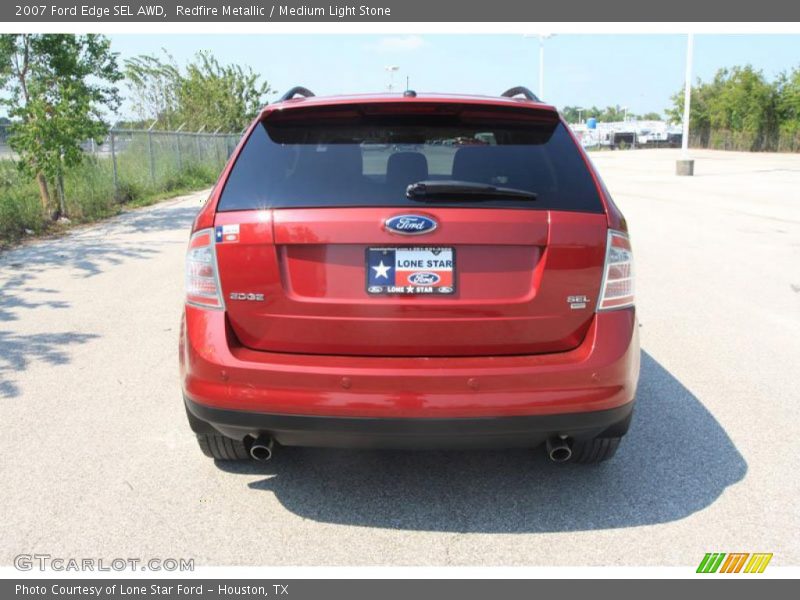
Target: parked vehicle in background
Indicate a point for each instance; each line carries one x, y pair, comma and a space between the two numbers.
628, 134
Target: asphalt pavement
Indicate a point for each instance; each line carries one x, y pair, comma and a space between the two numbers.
97, 459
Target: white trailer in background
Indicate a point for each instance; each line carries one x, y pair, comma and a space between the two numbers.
628, 134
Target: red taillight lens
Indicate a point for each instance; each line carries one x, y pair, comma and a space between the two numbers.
617, 288
202, 283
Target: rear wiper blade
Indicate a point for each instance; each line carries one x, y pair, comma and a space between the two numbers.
463, 191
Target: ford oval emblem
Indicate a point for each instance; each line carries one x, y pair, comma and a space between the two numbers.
410, 224
423, 278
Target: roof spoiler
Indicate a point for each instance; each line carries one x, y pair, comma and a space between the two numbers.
297, 90
520, 91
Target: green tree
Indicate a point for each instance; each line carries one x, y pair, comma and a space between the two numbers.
58, 87
218, 96
608, 114
737, 100
699, 112
651, 116
154, 83
611, 114
744, 102
571, 113
787, 103
206, 94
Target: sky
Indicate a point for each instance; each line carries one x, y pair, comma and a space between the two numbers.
640, 72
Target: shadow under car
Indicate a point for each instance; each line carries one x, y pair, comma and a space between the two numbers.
675, 460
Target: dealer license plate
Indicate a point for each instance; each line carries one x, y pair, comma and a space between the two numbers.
410, 271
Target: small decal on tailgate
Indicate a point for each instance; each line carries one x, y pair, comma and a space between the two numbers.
227, 233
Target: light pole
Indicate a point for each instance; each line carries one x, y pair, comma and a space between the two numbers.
624, 114
580, 112
542, 37
391, 69
685, 165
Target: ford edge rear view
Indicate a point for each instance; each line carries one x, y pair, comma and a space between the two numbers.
409, 271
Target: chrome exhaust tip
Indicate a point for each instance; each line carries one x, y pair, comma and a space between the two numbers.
261, 449
558, 449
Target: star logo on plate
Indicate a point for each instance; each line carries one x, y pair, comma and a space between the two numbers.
382, 270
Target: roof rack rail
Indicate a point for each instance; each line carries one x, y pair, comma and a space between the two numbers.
520, 90
297, 90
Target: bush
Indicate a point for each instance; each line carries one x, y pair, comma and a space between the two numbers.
19, 204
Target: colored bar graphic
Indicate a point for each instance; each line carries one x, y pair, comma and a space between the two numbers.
711, 562
758, 562
740, 564
734, 562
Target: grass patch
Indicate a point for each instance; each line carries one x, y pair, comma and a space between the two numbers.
176, 166
20, 209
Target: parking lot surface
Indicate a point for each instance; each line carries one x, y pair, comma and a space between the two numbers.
97, 459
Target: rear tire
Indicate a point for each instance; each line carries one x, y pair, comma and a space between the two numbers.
595, 450
220, 447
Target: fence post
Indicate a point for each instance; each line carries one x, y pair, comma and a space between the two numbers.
198, 146
178, 146
114, 163
152, 157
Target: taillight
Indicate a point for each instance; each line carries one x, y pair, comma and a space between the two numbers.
617, 288
202, 283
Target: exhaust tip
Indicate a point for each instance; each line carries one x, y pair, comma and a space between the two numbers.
558, 450
261, 449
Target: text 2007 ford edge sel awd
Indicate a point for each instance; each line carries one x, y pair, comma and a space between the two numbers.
409, 271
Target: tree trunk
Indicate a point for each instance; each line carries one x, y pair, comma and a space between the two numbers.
44, 193
62, 200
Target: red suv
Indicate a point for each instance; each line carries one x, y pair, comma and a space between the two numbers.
359, 279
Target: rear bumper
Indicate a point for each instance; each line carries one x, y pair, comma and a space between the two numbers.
353, 432
219, 374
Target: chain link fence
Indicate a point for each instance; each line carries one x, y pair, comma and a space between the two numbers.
135, 158
746, 141
129, 165
158, 160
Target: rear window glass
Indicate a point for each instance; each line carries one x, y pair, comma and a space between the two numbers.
350, 157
